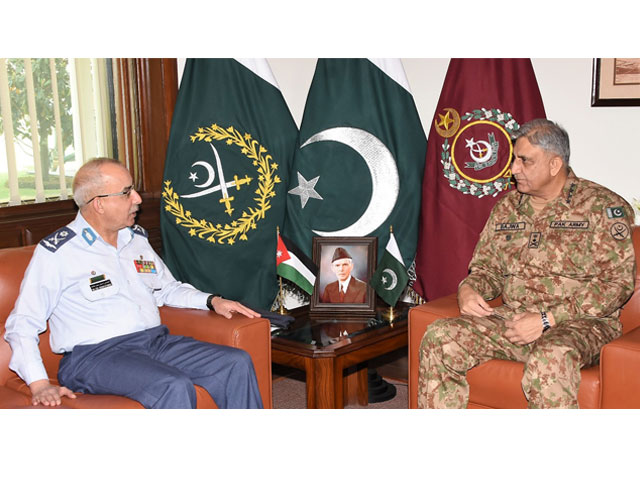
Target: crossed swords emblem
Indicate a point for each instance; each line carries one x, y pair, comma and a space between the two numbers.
222, 185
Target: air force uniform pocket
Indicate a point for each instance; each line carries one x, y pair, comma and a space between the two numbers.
98, 287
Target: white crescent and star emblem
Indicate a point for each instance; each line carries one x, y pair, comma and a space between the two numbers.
306, 189
394, 279
382, 167
212, 175
480, 151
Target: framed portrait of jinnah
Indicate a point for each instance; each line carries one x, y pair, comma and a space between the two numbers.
345, 266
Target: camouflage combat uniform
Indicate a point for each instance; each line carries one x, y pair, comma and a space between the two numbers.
575, 259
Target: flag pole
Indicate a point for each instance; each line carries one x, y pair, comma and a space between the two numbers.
390, 306
283, 311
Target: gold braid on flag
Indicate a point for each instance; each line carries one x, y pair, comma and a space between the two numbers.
266, 181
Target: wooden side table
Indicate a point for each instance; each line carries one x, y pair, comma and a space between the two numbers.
333, 354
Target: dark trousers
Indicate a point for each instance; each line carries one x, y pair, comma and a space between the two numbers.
159, 370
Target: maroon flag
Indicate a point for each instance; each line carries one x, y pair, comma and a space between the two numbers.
468, 166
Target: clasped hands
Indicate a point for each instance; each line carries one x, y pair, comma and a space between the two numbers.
522, 328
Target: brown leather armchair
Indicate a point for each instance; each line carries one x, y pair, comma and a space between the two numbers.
251, 335
614, 383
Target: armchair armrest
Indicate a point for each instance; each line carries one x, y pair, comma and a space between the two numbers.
420, 318
619, 367
10, 398
252, 335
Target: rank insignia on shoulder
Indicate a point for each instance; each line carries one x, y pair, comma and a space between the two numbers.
140, 231
615, 212
58, 238
145, 266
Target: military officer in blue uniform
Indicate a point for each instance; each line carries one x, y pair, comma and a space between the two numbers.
99, 284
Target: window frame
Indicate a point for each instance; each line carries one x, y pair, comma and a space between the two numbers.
146, 94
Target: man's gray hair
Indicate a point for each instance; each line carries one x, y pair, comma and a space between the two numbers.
89, 180
547, 135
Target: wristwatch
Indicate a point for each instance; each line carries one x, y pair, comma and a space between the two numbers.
545, 322
210, 299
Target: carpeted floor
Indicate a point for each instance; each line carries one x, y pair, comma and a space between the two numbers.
289, 393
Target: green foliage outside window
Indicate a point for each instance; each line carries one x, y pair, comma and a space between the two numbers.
44, 107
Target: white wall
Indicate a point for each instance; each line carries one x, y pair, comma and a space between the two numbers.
604, 140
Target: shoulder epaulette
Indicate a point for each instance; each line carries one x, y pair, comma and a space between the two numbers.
58, 238
140, 231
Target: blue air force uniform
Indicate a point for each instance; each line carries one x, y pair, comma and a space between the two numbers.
102, 306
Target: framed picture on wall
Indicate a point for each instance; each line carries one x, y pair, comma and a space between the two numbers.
345, 266
615, 82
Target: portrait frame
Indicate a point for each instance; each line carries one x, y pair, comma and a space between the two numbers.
615, 82
363, 251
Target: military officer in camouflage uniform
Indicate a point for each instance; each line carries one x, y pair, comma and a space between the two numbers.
559, 251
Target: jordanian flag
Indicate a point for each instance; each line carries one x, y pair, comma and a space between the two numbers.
390, 278
225, 180
360, 162
295, 266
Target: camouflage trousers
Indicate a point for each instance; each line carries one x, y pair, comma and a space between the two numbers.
452, 346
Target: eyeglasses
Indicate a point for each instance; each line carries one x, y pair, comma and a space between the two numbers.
126, 192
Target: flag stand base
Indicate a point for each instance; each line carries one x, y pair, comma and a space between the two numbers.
379, 389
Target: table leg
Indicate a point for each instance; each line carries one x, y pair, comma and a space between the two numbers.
325, 386
310, 383
356, 386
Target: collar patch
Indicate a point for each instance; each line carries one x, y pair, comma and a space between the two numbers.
572, 190
89, 235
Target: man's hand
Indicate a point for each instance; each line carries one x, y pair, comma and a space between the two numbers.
525, 327
227, 307
472, 303
42, 392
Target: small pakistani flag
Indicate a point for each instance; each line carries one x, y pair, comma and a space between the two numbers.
390, 278
294, 265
